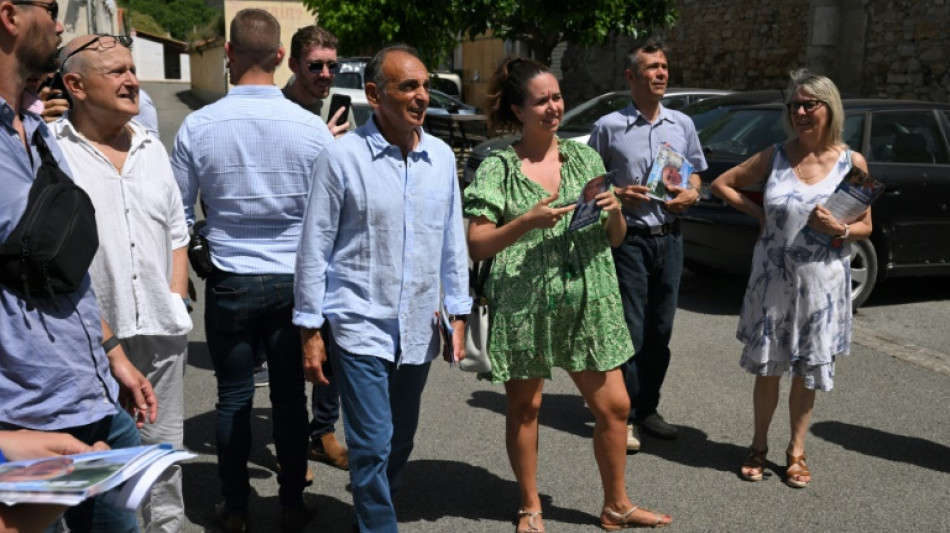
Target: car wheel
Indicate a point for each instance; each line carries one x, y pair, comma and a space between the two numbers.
863, 271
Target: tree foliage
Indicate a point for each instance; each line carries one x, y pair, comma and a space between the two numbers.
434, 27
180, 18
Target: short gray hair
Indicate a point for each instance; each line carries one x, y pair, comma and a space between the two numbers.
373, 73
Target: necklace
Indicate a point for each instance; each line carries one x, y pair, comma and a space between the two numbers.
802, 176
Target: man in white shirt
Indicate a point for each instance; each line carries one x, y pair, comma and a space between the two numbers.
140, 272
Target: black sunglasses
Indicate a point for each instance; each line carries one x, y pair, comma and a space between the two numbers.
105, 42
808, 105
52, 8
316, 67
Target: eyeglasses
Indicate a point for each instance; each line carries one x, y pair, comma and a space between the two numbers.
316, 67
105, 42
52, 8
808, 105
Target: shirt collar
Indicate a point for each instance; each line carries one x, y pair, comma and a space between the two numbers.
379, 145
633, 115
139, 133
271, 91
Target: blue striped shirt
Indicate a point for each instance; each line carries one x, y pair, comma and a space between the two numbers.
379, 236
53, 371
250, 154
627, 142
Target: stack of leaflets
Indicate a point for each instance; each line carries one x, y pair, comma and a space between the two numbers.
587, 211
670, 169
856, 192
124, 475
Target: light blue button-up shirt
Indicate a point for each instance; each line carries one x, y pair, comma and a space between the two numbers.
251, 155
628, 142
53, 371
380, 234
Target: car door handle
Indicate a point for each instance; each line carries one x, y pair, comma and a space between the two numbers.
892, 192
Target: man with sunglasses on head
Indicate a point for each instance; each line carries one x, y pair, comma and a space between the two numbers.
140, 272
649, 262
314, 63
250, 155
55, 373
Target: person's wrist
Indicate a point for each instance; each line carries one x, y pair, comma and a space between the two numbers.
846, 233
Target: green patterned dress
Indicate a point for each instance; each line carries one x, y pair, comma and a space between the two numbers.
553, 296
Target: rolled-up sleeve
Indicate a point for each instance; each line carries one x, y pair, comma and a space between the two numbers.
320, 228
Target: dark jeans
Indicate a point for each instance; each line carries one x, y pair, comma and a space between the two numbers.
648, 270
244, 314
118, 431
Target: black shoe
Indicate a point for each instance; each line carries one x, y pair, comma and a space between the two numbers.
229, 522
295, 518
654, 425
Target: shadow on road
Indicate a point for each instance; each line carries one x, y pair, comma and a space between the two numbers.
693, 448
719, 294
877, 443
563, 412
907, 290
434, 489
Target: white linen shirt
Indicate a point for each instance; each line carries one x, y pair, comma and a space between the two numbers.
141, 220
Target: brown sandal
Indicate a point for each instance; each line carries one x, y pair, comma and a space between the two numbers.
796, 468
624, 520
756, 461
534, 522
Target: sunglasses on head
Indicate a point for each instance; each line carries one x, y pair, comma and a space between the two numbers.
316, 67
104, 41
52, 7
807, 105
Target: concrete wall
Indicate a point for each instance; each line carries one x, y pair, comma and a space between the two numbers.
149, 59
208, 73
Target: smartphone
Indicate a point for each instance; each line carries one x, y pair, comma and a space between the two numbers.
336, 102
57, 88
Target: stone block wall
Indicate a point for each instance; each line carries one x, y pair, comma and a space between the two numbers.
873, 48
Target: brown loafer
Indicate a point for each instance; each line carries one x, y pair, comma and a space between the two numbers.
327, 450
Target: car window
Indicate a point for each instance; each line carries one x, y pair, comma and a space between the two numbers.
348, 80
361, 113
743, 133
674, 102
853, 131
906, 137
582, 117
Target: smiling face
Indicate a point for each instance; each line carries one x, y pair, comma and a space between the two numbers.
543, 106
314, 85
805, 123
400, 104
648, 83
105, 84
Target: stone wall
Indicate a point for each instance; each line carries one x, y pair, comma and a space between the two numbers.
875, 48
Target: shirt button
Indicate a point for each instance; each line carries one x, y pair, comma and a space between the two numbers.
133, 245
135, 277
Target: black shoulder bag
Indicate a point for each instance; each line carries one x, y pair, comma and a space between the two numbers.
52, 246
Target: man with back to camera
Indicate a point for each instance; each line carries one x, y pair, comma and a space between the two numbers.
55, 375
649, 263
390, 192
140, 273
251, 154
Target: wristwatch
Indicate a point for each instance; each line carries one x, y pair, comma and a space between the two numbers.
453, 318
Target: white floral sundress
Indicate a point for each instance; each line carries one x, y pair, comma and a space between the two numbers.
796, 314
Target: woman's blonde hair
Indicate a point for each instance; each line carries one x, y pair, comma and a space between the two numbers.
823, 89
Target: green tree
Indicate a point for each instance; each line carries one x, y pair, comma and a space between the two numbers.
178, 17
434, 27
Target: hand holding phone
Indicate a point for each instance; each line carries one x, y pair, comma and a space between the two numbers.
337, 119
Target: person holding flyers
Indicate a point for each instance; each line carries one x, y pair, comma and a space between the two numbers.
553, 294
796, 315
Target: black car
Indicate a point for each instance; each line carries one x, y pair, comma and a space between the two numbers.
906, 147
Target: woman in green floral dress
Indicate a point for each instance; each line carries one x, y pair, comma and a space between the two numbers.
553, 294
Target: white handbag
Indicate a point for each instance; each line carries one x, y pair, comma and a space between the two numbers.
476, 327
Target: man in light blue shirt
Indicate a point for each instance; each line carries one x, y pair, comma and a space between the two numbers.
383, 229
251, 155
649, 262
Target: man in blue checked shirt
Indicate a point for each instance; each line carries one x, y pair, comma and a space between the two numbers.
383, 230
251, 155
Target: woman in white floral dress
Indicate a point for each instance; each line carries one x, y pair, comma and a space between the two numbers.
796, 316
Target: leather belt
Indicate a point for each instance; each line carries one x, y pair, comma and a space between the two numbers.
654, 231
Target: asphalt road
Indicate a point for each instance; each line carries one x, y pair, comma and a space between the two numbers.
879, 445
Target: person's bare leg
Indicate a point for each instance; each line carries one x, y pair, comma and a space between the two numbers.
764, 401
607, 398
801, 402
521, 440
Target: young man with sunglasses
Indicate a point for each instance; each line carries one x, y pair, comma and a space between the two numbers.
55, 375
314, 63
142, 237
649, 262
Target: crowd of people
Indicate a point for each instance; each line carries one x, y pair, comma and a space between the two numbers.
331, 247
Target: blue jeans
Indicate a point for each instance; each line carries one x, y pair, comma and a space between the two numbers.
245, 314
381, 413
648, 271
325, 399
